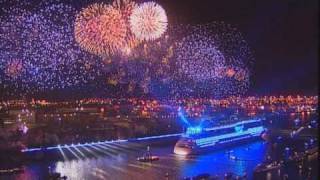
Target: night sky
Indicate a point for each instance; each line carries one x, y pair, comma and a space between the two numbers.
283, 36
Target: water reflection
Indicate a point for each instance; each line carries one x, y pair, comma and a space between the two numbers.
125, 166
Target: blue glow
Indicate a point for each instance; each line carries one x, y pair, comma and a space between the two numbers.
207, 161
158, 137
232, 125
33, 149
49, 148
182, 117
239, 128
226, 141
208, 141
201, 122
99, 143
194, 130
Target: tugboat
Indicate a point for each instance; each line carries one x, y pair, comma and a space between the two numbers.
147, 157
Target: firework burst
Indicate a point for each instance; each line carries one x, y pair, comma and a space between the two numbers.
101, 29
199, 58
148, 21
126, 7
211, 59
38, 51
43, 48
14, 68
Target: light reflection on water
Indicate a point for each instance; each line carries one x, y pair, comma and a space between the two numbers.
125, 166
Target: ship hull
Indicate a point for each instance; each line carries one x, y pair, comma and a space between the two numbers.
219, 146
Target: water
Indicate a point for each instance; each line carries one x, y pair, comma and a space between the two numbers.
118, 161
125, 166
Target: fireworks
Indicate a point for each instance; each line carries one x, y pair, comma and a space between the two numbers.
126, 7
199, 58
211, 59
148, 21
52, 47
117, 29
100, 29
37, 49
14, 68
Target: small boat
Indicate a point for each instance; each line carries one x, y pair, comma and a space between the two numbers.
148, 158
12, 171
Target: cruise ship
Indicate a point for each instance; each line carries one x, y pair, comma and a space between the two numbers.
196, 139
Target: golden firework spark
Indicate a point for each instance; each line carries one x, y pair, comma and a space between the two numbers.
101, 29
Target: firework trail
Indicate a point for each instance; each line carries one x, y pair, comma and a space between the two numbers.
101, 29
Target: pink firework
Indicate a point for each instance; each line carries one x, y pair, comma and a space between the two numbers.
126, 7
101, 29
14, 68
148, 21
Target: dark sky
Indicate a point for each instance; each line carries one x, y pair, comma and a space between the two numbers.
283, 35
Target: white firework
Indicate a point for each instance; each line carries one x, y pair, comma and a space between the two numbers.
148, 21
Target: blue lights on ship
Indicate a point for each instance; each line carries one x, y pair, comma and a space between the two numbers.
193, 130
197, 137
